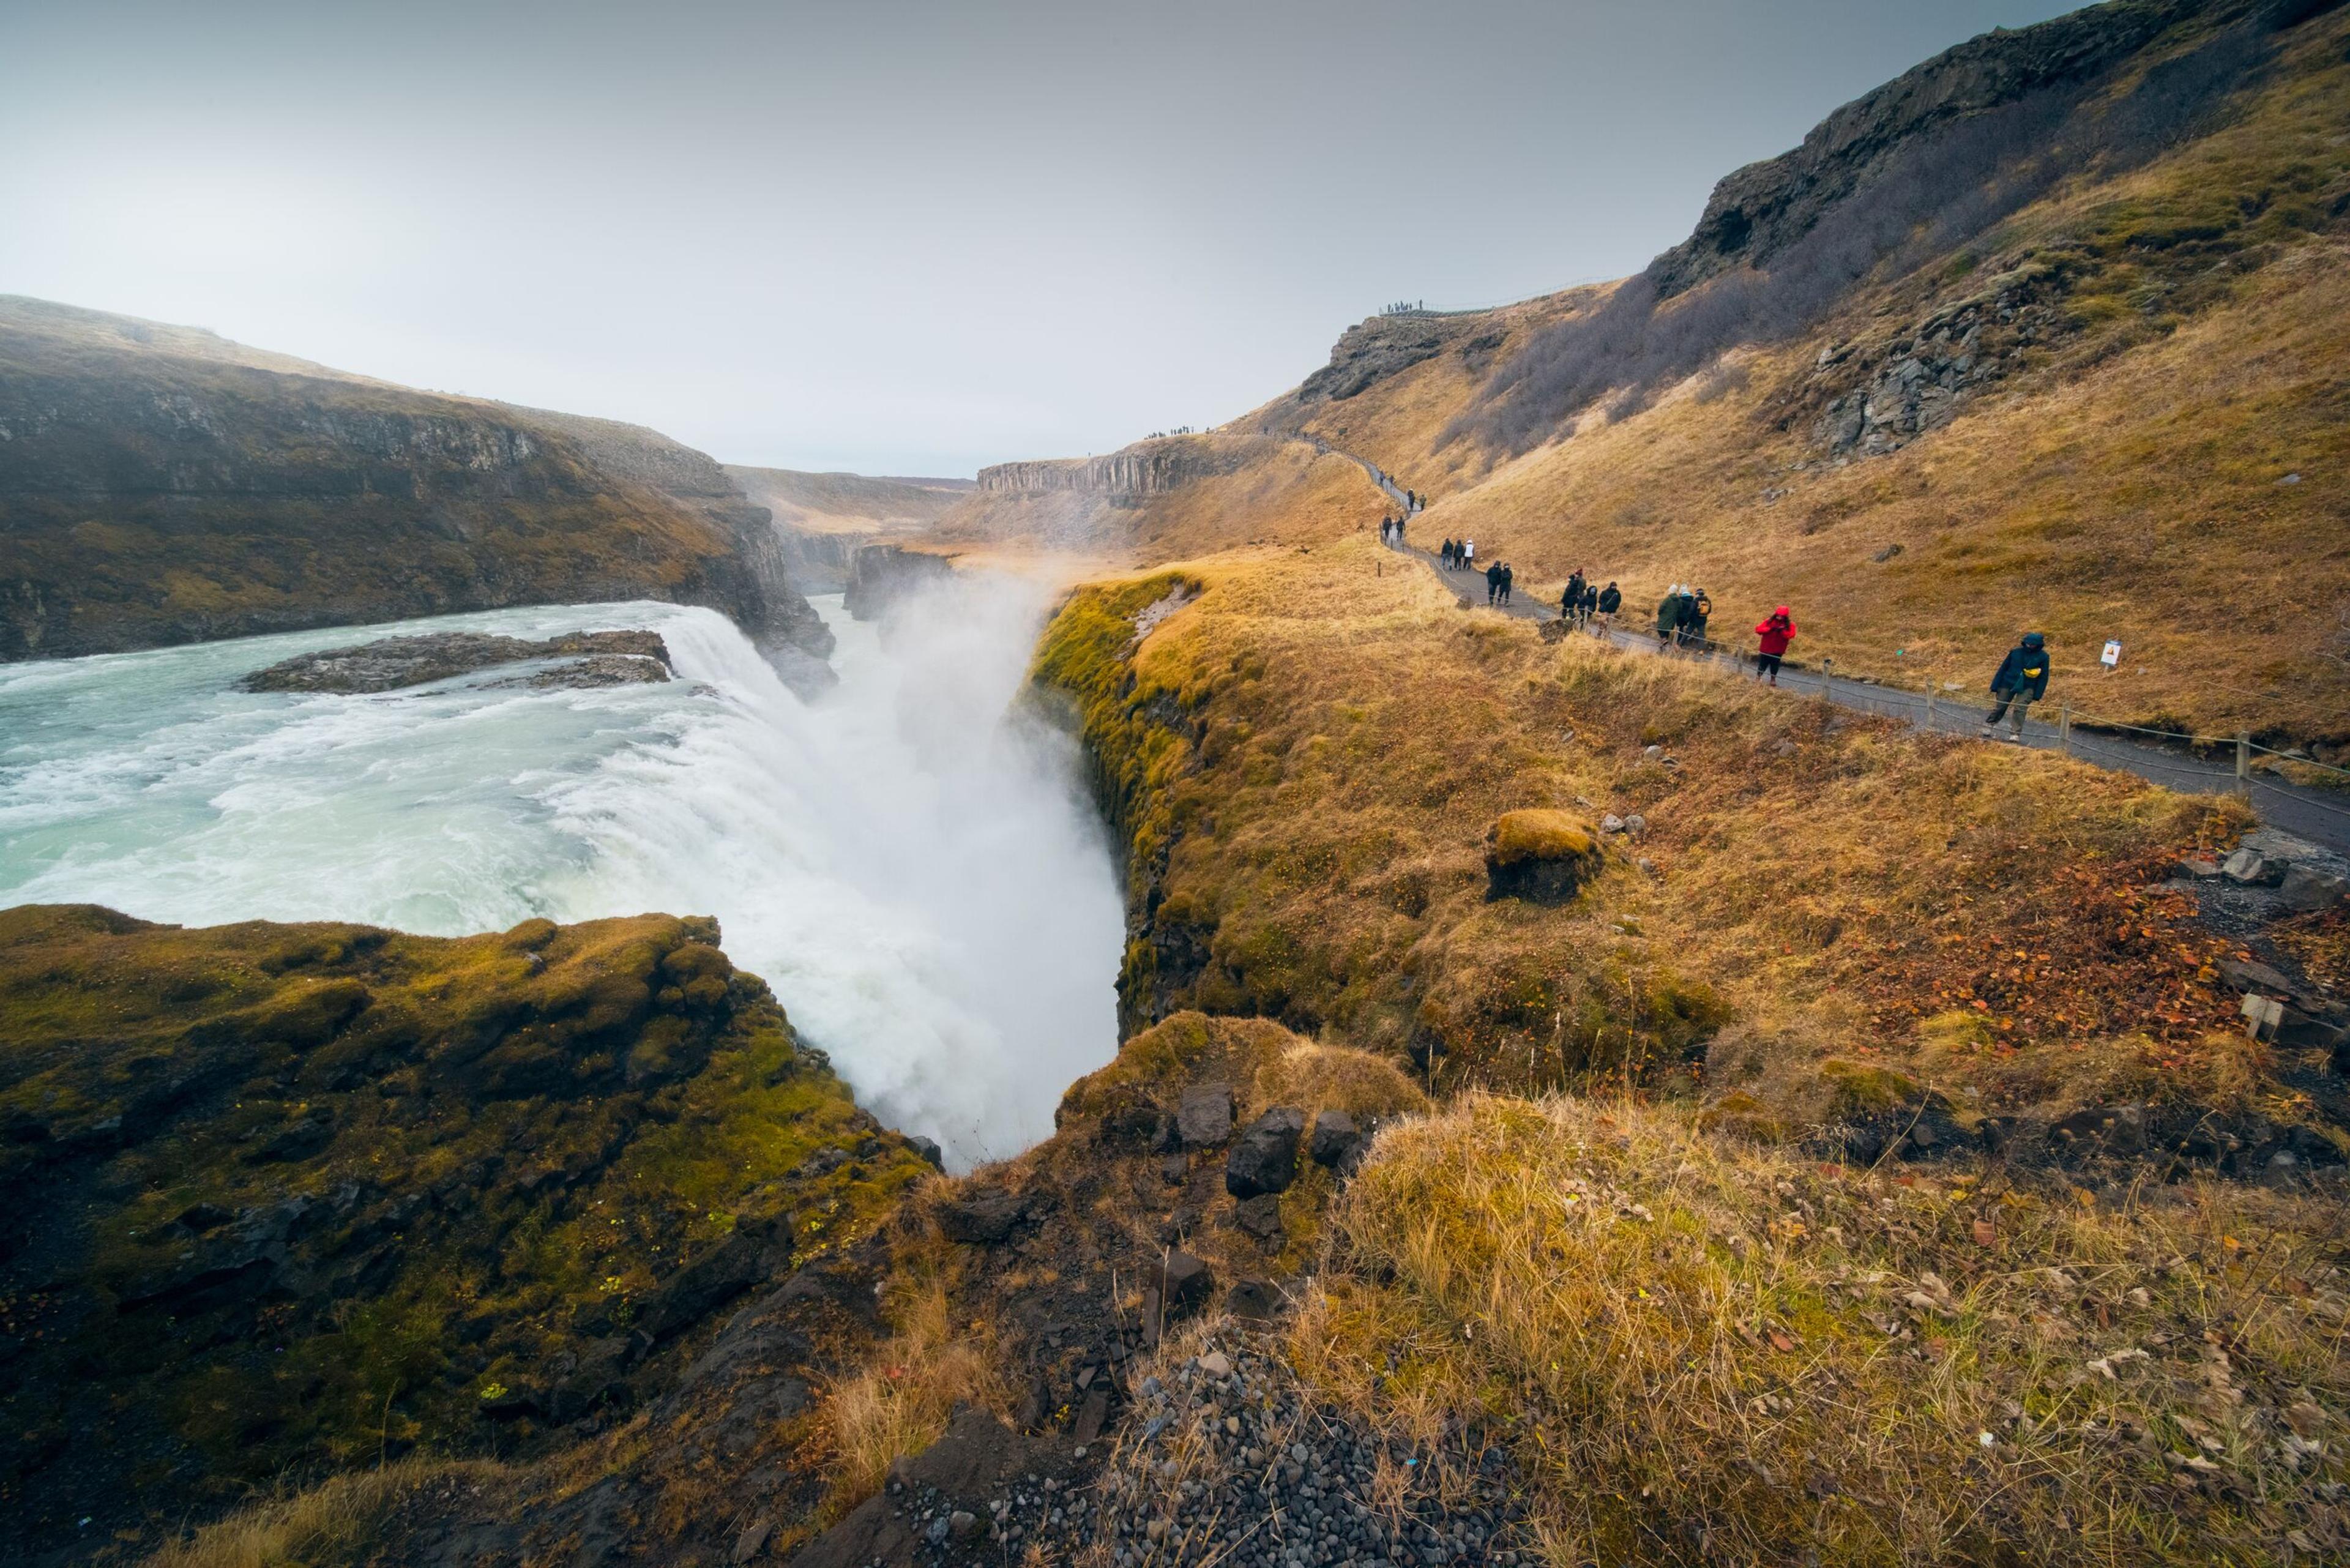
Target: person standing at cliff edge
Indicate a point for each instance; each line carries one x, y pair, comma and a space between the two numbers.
1773, 635
2022, 680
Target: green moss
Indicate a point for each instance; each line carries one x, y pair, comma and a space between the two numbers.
303, 1192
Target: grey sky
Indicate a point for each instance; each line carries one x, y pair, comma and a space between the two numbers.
894, 237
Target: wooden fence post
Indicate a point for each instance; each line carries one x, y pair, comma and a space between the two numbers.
2064, 727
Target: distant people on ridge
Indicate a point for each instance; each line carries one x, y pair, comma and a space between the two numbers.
1773, 635
2021, 681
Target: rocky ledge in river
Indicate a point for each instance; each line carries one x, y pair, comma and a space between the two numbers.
597, 659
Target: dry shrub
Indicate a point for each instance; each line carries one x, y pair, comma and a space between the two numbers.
1335, 1077
900, 1400
1714, 1352
306, 1526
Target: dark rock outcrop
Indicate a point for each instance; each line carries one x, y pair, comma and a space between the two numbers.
1763, 209
880, 576
607, 659
1264, 1158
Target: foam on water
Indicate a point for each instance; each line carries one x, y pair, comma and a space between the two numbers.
919, 876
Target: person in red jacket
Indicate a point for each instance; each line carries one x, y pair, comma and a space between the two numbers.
1775, 632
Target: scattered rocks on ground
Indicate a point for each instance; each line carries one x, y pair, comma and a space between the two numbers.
2306, 890
598, 659
2251, 868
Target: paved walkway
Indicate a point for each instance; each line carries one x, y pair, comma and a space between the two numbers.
2321, 817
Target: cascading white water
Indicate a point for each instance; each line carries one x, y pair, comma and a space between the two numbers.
919, 877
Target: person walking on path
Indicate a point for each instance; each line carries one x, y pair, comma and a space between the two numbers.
1445, 555
1469, 554
1669, 616
1611, 599
1508, 577
1590, 602
1492, 584
2022, 680
1773, 633
1699, 610
1574, 592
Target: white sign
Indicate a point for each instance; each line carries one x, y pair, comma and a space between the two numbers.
2113, 655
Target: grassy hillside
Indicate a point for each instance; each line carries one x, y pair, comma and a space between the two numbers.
290, 1199
159, 484
1821, 922
2097, 324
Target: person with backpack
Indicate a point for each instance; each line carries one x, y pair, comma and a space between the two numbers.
1508, 577
1697, 611
2022, 680
1574, 592
1669, 616
1773, 633
1611, 600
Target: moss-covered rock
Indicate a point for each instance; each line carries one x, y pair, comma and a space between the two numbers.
296, 1197
1541, 856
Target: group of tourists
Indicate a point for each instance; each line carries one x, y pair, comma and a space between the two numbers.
1584, 601
1685, 611
1681, 616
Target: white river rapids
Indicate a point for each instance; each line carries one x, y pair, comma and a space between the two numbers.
919, 877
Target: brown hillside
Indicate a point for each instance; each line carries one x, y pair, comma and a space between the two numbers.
2114, 407
159, 484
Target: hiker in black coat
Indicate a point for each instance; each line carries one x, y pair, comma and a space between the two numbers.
2022, 680
1508, 577
1494, 583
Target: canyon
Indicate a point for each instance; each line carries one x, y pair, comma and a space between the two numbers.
1192, 1041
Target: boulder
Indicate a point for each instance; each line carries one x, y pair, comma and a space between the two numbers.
1261, 1217
1183, 1282
1254, 1299
928, 1149
1541, 857
1337, 1142
1205, 1117
1265, 1159
2305, 890
2251, 868
981, 1218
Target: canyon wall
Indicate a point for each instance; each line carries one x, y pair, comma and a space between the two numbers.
161, 485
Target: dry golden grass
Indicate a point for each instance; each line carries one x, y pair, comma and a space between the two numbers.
1822, 885
899, 1397
329, 1521
1709, 1354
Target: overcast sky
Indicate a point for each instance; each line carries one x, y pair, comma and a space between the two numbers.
899, 238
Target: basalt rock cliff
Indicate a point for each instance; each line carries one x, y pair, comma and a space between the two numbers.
160, 485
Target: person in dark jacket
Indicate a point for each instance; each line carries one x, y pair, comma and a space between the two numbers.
1772, 635
1669, 616
1575, 590
1590, 602
2022, 680
1494, 583
1508, 577
1698, 610
1445, 555
1611, 600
